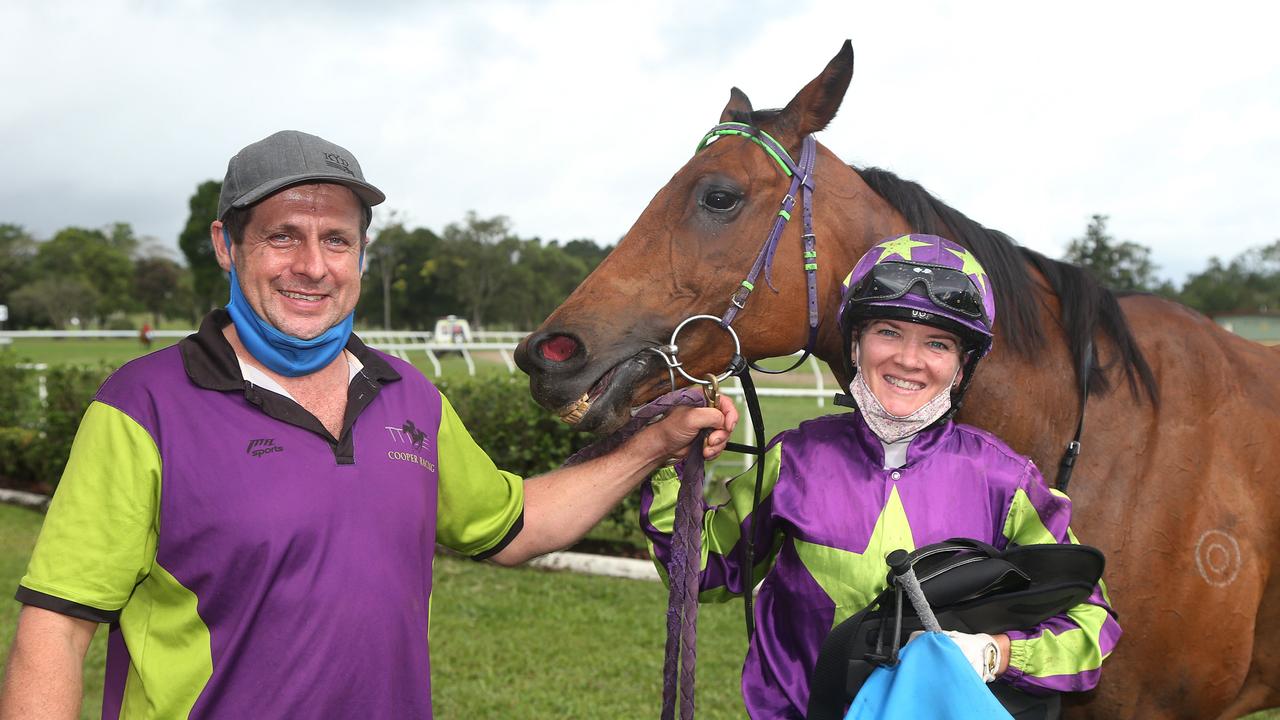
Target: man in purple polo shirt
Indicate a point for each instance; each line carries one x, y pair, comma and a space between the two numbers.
255, 510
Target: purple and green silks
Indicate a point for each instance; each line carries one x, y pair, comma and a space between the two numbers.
829, 514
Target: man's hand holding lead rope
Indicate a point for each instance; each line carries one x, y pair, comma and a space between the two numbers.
681, 425
567, 502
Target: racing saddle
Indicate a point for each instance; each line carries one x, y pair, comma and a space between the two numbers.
972, 587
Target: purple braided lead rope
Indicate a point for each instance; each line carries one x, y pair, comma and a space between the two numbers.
690, 511
686, 549
676, 581
682, 572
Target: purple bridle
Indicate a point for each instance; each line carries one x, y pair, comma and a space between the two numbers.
686, 556
801, 175
801, 189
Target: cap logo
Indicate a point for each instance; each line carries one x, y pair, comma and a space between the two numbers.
336, 161
921, 315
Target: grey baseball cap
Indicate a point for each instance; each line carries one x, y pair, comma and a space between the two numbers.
288, 158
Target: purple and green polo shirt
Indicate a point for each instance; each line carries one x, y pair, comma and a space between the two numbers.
829, 513
251, 564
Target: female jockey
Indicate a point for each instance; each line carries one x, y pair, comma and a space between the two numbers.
842, 491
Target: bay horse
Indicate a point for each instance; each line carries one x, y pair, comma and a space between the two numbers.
1177, 481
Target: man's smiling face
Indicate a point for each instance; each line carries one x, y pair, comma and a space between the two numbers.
299, 261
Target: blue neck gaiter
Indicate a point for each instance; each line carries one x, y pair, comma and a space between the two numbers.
284, 354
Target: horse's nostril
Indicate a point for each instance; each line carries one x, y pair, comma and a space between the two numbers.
558, 348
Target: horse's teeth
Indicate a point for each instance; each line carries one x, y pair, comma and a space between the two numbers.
572, 414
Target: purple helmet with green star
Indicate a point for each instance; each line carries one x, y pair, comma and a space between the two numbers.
923, 279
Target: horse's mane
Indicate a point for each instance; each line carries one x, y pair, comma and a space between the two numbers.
1086, 304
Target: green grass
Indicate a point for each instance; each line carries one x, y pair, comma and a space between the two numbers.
18, 530
515, 643
529, 644
58, 351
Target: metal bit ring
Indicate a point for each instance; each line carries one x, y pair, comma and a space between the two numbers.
737, 349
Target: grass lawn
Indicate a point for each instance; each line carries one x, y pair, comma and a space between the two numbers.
515, 644
530, 644
18, 530
506, 643
59, 351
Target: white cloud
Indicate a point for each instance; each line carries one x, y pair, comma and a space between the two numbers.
568, 116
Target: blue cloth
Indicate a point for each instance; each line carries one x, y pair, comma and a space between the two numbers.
285, 354
931, 680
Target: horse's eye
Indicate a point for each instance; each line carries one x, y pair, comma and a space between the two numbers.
720, 200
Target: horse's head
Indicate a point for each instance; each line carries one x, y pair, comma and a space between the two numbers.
592, 360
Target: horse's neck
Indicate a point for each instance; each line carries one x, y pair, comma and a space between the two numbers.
854, 219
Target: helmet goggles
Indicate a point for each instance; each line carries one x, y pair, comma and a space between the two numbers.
946, 287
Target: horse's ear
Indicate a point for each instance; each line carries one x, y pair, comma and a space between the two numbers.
814, 106
738, 109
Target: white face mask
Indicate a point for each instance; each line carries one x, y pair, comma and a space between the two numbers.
889, 427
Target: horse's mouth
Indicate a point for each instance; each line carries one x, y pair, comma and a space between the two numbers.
573, 413
609, 402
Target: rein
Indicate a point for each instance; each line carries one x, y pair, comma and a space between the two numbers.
686, 555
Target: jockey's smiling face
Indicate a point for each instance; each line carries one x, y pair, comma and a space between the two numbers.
907, 364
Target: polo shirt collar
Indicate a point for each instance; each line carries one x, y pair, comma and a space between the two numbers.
211, 363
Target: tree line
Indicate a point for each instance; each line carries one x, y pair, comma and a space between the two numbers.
1248, 283
476, 268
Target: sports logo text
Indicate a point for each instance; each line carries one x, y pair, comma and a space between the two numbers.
263, 446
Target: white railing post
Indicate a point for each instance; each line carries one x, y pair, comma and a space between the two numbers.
818, 380
506, 358
42, 390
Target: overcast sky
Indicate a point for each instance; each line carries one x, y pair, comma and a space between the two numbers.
568, 116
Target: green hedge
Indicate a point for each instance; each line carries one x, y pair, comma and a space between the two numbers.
19, 396
519, 435
35, 438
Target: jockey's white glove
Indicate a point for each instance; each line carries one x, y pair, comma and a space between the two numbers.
980, 649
